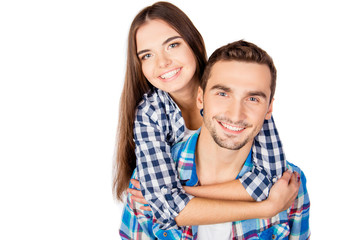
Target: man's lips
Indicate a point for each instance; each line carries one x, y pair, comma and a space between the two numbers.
232, 128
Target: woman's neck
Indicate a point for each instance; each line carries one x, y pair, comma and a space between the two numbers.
186, 101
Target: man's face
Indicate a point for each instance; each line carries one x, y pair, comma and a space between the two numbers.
236, 102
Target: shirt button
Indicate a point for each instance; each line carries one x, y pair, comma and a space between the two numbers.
163, 190
273, 236
165, 234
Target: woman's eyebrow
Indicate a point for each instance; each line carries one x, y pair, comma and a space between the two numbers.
170, 39
165, 42
143, 51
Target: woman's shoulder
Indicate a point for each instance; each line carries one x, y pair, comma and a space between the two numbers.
155, 98
157, 105
158, 110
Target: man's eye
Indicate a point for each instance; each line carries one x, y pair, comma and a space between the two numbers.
222, 94
253, 99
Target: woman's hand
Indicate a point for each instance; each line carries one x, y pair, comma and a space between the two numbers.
283, 193
137, 195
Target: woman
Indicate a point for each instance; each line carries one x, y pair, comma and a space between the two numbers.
166, 58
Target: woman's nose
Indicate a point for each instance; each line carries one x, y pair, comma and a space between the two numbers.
164, 60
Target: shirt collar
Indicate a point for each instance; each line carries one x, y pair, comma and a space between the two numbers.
187, 166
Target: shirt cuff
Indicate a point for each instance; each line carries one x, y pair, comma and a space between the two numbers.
169, 203
257, 183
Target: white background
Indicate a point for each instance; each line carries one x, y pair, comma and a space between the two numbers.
61, 70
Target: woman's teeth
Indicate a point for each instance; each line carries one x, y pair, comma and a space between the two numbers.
170, 74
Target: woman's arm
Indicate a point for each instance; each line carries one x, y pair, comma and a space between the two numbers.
154, 134
281, 197
197, 211
232, 190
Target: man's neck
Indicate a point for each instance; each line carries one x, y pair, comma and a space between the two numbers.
215, 164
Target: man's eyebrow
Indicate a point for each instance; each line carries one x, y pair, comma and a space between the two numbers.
165, 42
220, 87
257, 93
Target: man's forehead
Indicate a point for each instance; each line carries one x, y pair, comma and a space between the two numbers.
240, 72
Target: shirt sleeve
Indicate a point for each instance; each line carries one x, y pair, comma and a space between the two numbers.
269, 162
156, 170
299, 213
135, 223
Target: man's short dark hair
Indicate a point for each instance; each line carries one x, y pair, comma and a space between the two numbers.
240, 51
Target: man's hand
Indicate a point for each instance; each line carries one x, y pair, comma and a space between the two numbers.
137, 195
284, 192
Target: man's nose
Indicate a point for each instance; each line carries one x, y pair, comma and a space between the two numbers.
237, 111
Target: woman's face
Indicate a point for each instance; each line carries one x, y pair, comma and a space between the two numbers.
167, 61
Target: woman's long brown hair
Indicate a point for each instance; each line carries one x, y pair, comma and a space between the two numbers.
136, 85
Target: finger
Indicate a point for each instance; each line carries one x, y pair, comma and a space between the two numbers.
286, 176
295, 184
294, 181
136, 183
296, 178
145, 208
135, 192
139, 200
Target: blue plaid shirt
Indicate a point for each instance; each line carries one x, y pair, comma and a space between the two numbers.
158, 126
290, 224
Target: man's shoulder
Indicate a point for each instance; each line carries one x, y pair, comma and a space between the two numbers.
186, 148
177, 149
303, 189
294, 168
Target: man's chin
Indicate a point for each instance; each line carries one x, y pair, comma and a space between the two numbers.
231, 145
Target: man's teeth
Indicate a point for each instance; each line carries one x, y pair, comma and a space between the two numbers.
232, 128
170, 74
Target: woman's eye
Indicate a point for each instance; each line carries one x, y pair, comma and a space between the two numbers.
146, 56
173, 45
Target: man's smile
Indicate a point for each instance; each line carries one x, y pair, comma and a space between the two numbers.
231, 128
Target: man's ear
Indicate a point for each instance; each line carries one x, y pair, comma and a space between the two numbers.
270, 110
200, 99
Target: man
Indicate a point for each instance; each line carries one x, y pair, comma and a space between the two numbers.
235, 97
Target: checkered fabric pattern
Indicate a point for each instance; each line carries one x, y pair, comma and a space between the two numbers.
158, 126
269, 162
290, 224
